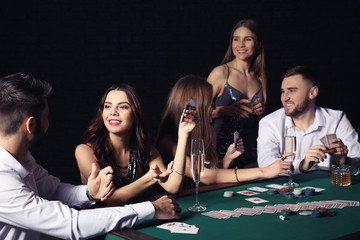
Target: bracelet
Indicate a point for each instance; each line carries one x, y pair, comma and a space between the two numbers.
181, 174
236, 175
158, 180
90, 197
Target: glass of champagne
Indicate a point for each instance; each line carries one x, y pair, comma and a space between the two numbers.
197, 169
290, 147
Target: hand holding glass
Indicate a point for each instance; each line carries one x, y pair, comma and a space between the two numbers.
290, 147
197, 169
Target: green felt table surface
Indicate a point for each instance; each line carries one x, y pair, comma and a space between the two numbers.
264, 226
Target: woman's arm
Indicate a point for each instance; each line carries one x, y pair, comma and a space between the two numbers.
173, 183
85, 157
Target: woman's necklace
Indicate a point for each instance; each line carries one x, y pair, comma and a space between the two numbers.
124, 177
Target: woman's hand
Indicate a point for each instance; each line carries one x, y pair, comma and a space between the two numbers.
159, 176
233, 152
187, 121
259, 107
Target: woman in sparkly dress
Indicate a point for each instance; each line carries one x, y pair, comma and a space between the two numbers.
239, 90
196, 88
117, 138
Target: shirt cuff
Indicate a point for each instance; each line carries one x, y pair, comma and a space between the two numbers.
296, 165
144, 210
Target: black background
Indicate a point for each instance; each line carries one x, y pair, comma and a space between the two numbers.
83, 47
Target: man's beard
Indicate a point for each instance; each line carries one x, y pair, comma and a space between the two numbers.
300, 109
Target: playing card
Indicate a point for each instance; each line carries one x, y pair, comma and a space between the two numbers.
246, 211
236, 137
269, 209
215, 214
167, 226
259, 189
189, 230
329, 137
256, 200
247, 193
277, 186
231, 213
323, 140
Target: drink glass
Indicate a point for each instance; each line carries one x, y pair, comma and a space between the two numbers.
290, 147
197, 169
340, 175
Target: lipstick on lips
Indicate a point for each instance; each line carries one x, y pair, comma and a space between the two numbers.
241, 51
114, 122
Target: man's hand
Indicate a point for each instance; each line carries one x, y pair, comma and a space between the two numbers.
314, 154
166, 208
100, 184
340, 150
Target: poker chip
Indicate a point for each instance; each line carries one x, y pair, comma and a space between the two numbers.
228, 193
319, 212
331, 213
322, 212
297, 191
290, 196
272, 191
286, 212
283, 190
305, 213
282, 217
309, 192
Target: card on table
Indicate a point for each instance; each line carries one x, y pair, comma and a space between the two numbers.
277, 186
258, 189
179, 227
216, 214
247, 193
256, 200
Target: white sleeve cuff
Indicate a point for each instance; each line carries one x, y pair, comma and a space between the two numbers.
145, 210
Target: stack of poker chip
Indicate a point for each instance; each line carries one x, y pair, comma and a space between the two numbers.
309, 191
322, 212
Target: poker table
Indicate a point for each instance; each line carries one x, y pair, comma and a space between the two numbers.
345, 225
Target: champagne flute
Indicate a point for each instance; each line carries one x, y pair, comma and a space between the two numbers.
197, 169
290, 147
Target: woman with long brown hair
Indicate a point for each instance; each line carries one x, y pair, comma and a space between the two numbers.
200, 91
239, 89
117, 138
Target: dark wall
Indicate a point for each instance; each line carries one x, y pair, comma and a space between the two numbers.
82, 47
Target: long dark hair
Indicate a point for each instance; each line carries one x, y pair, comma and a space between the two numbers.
97, 135
258, 62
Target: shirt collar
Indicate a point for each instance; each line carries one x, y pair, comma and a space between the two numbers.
7, 159
318, 122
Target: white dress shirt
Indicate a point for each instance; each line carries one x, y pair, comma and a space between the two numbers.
33, 202
270, 142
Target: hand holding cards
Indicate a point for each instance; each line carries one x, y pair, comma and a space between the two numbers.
188, 111
238, 142
326, 142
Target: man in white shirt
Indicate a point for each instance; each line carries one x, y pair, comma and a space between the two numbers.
299, 90
32, 201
